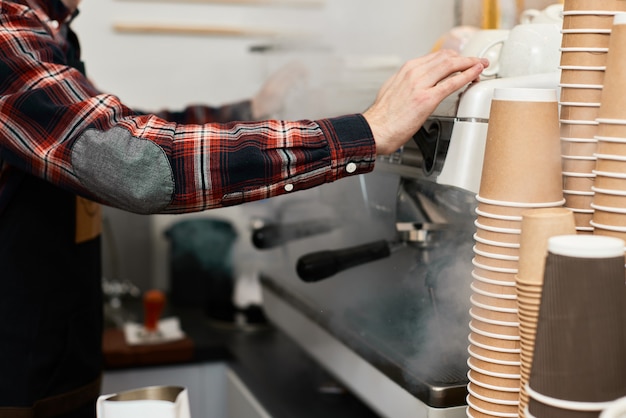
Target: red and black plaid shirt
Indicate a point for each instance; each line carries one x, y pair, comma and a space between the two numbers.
56, 125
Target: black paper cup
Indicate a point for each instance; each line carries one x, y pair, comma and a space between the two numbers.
580, 345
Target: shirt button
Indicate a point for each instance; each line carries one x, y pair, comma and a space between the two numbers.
351, 167
288, 187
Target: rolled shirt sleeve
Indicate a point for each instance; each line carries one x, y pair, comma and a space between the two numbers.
57, 126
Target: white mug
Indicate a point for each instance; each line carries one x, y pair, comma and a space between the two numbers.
486, 44
551, 14
529, 49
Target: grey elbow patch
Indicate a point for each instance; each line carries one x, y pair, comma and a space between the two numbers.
126, 172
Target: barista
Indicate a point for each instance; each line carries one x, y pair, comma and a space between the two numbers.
66, 147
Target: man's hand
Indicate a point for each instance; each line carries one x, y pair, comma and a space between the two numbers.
410, 96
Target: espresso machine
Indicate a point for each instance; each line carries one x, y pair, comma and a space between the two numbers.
371, 275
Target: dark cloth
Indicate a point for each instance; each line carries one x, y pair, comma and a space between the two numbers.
50, 297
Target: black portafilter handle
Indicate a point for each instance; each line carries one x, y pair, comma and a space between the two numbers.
323, 264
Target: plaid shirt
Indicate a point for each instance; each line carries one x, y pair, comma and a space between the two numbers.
57, 126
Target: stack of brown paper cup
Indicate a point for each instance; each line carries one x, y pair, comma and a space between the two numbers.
609, 187
521, 171
538, 225
578, 359
587, 31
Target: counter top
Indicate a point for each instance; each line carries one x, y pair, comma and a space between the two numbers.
280, 375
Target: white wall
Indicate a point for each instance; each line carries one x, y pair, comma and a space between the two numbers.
158, 71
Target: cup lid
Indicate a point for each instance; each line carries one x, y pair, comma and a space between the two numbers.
586, 246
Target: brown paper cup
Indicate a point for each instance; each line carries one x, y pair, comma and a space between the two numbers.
604, 198
495, 261
611, 130
491, 394
574, 164
493, 355
578, 201
610, 166
480, 303
583, 218
607, 5
579, 183
538, 226
612, 147
493, 381
610, 183
609, 218
588, 58
597, 230
571, 129
528, 302
494, 329
498, 343
494, 276
587, 21
510, 238
579, 148
585, 40
496, 301
486, 407
493, 220
529, 319
500, 210
522, 161
579, 112
488, 366
494, 315
492, 289
495, 248
613, 100
581, 94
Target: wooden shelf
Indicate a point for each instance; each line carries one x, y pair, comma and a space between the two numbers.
189, 29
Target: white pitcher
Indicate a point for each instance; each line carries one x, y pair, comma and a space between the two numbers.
152, 401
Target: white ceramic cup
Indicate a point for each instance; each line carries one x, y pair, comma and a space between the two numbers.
551, 14
486, 44
531, 49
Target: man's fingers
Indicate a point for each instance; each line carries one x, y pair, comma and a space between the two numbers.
455, 82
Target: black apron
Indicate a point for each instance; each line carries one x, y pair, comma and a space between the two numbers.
50, 299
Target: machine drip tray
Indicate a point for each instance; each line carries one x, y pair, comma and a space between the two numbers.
384, 364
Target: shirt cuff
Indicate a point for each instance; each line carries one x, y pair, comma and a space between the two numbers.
352, 146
